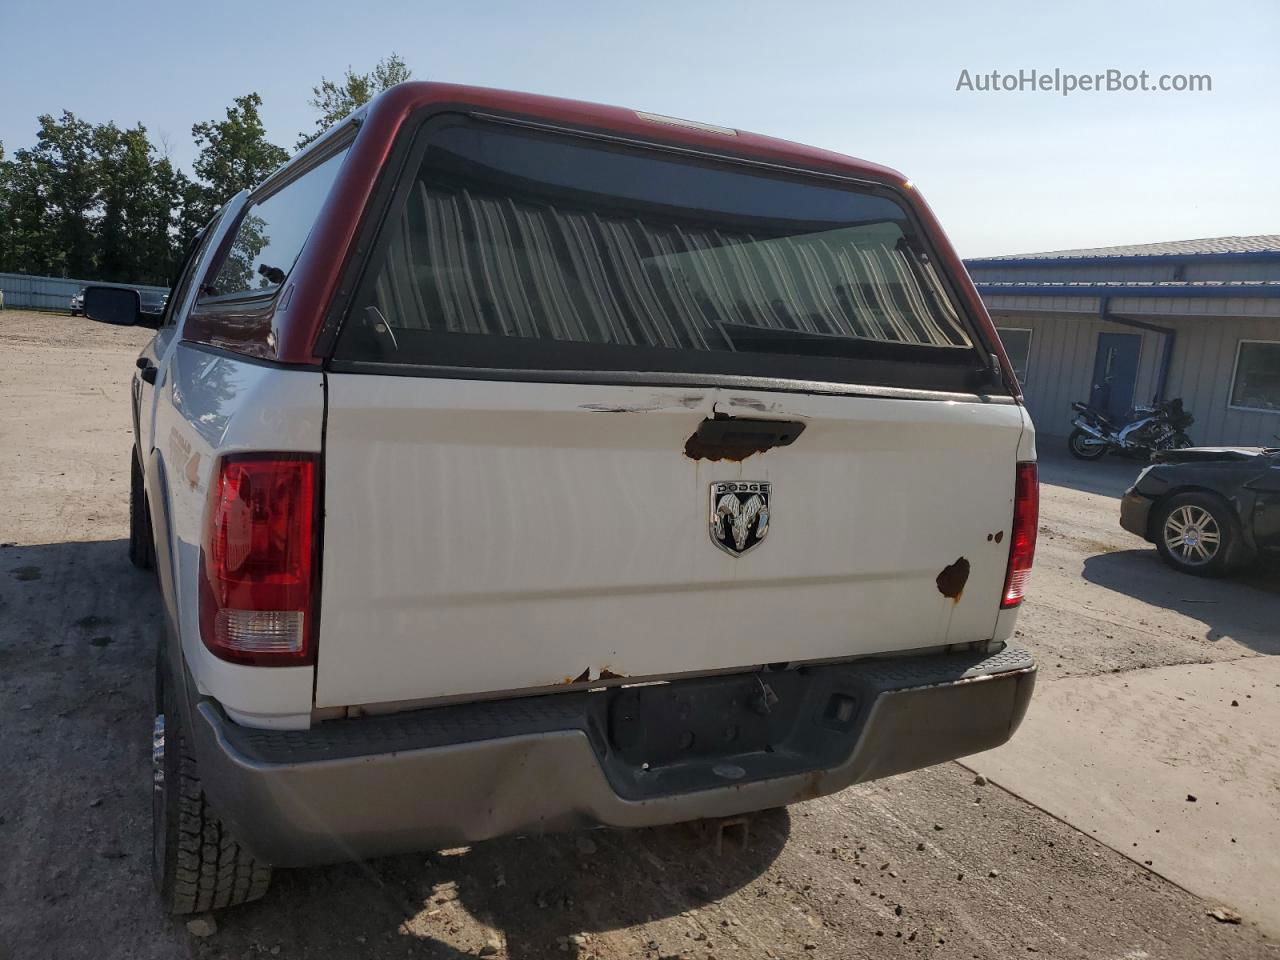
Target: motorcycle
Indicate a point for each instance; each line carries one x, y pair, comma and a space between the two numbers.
1158, 426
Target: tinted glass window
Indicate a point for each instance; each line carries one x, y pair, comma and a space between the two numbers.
1017, 344
1257, 382
272, 232
507, 238
183, 282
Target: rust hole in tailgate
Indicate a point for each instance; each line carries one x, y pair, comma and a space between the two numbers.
952, 579
999, 535
728, 438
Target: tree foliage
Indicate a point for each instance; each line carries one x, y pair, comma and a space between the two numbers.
98, 202
88, 201
334, 100
101, 203
139, 194
235, 155
64, 161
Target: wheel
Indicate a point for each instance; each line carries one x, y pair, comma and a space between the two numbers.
1196, 533
1085, 447
195, 862
141, 545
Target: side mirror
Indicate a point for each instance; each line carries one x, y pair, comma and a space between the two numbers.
112, 304
153, 320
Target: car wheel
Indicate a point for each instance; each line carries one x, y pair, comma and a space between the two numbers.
195, 862
1085, 447
141, 545
1196, 533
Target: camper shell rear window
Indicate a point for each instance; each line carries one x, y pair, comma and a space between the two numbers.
507, 251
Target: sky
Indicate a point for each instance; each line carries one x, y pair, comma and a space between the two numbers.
1006, 172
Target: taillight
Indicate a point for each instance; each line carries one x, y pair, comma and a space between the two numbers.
1022, 537
258, 560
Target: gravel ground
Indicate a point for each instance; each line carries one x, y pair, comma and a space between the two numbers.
927, 864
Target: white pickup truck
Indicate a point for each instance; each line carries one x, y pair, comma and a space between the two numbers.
512, 464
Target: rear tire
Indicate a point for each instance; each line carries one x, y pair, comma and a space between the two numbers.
195, 862
1085, 447
141, 546
1196, 533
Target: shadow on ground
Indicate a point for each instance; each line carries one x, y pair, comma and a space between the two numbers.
534, 895
78, 628
1244, 606
1108, 477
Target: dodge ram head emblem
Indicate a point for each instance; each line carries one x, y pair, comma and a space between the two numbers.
739, 515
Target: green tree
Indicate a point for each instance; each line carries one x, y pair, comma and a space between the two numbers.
62, 170
139, 195
234, 155
30, 227
163, 214
90, 201
29, 244
193, 211
334, 100
6, 212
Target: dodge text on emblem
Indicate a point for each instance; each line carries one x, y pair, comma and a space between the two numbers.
739, 515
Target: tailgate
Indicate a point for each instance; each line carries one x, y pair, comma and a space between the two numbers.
483, 537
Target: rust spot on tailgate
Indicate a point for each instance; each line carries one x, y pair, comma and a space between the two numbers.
999, 535
952, 579
585, 676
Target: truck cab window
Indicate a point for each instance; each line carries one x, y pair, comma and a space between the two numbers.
271, 233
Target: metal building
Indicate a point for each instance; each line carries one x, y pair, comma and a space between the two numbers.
52, 293
1115, 326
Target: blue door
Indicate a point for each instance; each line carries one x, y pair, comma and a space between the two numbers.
1115, 373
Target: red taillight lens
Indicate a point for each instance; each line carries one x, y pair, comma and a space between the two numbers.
258, 560
1022, 538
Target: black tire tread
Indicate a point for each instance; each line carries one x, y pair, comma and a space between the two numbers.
141, 549
210, 870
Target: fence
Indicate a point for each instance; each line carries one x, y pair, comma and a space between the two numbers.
51, 293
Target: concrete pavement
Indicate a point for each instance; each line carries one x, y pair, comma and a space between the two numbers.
1118, 754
